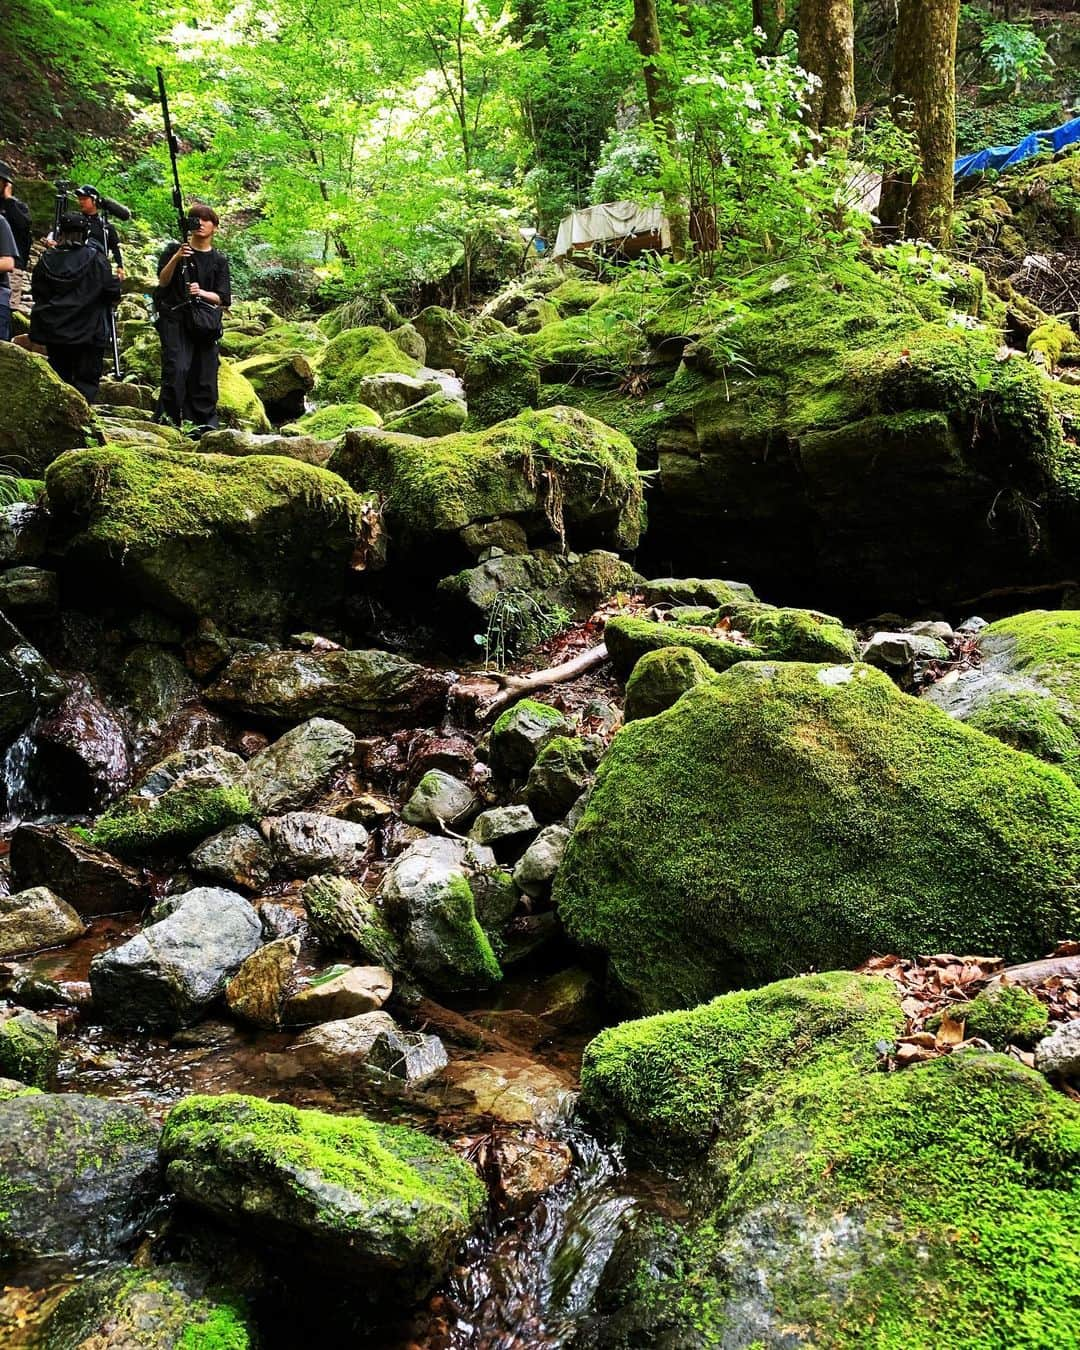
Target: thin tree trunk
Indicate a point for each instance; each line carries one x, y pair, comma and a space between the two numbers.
645, 33
771, 17
827, 50
924, 86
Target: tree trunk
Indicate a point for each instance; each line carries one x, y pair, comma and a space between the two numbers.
827, 50
924, 86
771, 16
645, 33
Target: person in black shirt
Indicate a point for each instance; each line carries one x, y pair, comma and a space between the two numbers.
8, 259
193, 289
104, 235
17, 215
73, 287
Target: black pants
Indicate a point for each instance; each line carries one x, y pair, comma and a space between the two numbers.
79, 366
189, 378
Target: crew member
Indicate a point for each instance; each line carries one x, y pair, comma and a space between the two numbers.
17, 215
73, 288
7, 266
193, 289
104, 235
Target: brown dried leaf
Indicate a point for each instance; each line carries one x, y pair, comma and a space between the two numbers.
951, 1030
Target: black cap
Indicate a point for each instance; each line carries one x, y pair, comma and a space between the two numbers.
73, 222
6, 172
87, 191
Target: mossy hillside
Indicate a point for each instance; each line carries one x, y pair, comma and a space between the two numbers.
333, 421
679, 1079
363, 1195
790, 816
355, 354
551, 470
185, 814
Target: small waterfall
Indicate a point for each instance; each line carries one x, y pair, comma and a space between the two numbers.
18, 798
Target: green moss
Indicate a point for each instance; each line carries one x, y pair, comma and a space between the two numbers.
680, 1078
660, 678
354, 355
467, 950
791, 634
1052, 341
628, 639
224, 1328
1004, 1015
788, 816
188, 812
556, 467
576, 294
238, 404
332, 421
536, 712
29, 1050
125, 499
1033, 722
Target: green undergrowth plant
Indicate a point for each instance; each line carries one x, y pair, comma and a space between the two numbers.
517, 622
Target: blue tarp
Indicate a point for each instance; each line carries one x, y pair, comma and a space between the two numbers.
1002, 157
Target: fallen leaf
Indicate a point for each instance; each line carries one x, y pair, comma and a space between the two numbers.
951, 1030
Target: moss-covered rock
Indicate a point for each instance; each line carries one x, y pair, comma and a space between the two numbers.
280, 379
437, 415
628, 639
354, 355
252, 543
501, 379
557, 472
443, 333
1051, 341
787, 816
1026, 689
521, 732
661, 677
186, 813
577, 294
43, 416
563, 769
173, 1307
375, 1200
842, 1206
239, 405
332, 421
710, 594
29, 1050
306, 449
1004, 1014
411, 341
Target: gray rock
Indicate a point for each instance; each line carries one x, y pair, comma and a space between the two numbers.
23, 532
28, 684
972, 625
296, 767
30, 920
932, 628
361, 989
901, 651
258, 990
350, 1049
169, 974
440, 800
29, 593
305, 843
521, 733
1060, 1051
81, 753
236, 856
79, 1175
388, 393
212, 765
428, 894
91, 881
564, 769
535, 872
156, 686
504, 828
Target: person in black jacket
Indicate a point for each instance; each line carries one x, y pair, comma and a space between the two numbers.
193, 289
17, 215
96, 229
73, 287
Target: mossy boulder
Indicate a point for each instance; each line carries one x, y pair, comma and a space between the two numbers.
280, 379
437, 415
29, 1050
443, 333
787, 816
558, 473
710, 594
521, 732
629, 638
327, 423
858, 1207
411, 341
376, 1201
188, 811
42, 417
354, 355
171, 1307
239, 405
577, 294
1004, 1015
661, 677
306, 449
501, 379
1026, 689
1052, 341
253, 543
564, 768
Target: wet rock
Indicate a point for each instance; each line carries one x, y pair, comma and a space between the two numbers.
156, 686
341, 1192
281, 920
367, 809
305, 843
528, 1165
504, 829
901, 651
428, 895
237, 856
160, 1308
341, 913
168, 974
563, 770
511, 1089
365, 690
1060, 1051
258, 990
79, 1175
29, 593
81, 750
29, 1050
361, 989
521, 732
440, 802
297, 766
23, 532
526, 935
28, 684
434, 750
368, 1047
30, 920
207, 649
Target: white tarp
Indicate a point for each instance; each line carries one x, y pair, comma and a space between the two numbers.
608, 224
